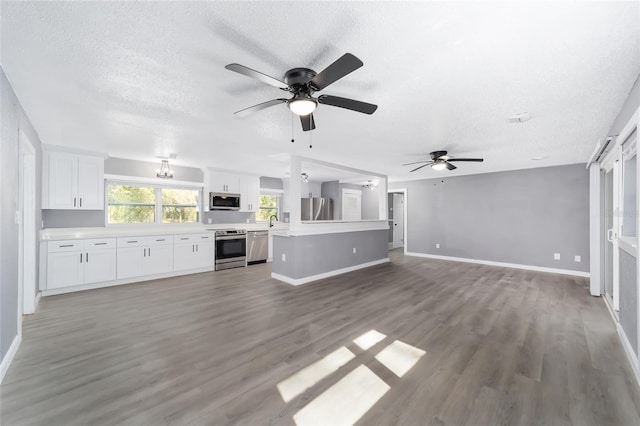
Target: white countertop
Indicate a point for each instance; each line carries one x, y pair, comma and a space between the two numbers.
142, 230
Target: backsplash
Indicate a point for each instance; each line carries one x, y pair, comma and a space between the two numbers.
228, 217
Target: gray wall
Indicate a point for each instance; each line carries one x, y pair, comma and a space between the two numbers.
72, 218
125, 167
271, 183
228, 217
370, 201
332, 190
629, 298
309, 255
521, 217
12, 118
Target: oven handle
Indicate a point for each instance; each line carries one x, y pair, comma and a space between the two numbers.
232, 237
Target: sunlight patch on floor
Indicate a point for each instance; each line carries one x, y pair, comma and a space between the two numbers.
309, 376
399, 357
369, 339
345, 402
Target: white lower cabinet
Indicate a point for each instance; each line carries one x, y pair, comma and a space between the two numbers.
77, 262
138, 256
193, 251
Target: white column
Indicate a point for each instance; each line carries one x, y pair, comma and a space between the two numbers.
595, 238
293, 197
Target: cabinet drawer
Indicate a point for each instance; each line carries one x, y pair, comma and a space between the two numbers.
132, 242
65, 245
102, 243
159, 240
185, 238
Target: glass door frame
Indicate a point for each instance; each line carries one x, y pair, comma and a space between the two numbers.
612, 163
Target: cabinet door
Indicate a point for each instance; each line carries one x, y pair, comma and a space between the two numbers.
204, 255
249, 193
90, 183
62, 183
64, 269
159, 259
130, 261
224, 182
99, 265
184, 256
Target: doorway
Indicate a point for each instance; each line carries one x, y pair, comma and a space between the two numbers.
398, 220
27, 219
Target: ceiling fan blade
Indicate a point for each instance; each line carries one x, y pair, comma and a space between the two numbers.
418, 162
478, 160
346, 103
241, 69
251, 109
418, 168
450, 166
344, 65
308, 123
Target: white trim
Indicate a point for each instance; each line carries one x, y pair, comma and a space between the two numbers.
37, 301
628, 350
154, 181
503, 264
271, 191
8, 358
596, 283
142, 278
299, 281
334, 227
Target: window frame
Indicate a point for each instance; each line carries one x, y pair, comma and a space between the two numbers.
158, 187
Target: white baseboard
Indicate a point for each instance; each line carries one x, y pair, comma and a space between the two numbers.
6, 361
299, 281
631, 355
92, 286
503, 264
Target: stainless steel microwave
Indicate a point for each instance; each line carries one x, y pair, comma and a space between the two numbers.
224, 201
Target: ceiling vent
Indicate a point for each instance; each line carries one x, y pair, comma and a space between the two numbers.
520, 118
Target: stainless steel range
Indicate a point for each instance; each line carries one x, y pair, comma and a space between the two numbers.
231, 248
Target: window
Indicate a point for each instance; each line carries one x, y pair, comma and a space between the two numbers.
131, 204
269, 205
180, 205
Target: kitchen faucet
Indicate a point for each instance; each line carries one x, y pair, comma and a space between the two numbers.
271, 223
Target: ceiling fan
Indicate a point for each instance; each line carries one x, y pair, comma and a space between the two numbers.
302, 83
440, 161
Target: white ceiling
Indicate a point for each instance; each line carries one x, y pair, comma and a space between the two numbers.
138, 80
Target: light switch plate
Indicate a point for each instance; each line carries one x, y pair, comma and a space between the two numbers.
578, 258
556, 256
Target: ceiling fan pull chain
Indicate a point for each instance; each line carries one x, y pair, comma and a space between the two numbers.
292, 140
310, 136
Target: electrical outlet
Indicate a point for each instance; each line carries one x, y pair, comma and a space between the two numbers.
284, 257
556, 256
18, 217
209, 220
354, 250
437, 245
578, 259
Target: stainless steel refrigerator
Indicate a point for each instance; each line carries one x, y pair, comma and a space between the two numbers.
316, 208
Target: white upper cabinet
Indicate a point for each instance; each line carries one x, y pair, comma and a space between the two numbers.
249, 193
72, 181
224, 182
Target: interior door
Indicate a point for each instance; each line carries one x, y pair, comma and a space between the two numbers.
398, 220
611, 227
351, 204
608, 235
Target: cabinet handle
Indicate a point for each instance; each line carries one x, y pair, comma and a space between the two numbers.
99, 244
149, 251
131, 241
193, 248
66, 245
80, 201
186, 238
197, 247
74, 201
162, 239
80, 257
87, 258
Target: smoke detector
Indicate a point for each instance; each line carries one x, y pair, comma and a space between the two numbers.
520, 118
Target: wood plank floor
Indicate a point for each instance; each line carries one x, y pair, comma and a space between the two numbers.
502, 346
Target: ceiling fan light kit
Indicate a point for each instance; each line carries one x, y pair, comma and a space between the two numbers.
302, 83
440, 161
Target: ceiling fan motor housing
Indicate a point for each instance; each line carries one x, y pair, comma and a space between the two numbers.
437, 154
299, 78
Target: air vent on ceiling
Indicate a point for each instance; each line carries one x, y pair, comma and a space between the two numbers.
520, 118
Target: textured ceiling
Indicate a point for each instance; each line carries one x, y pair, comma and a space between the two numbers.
138, 80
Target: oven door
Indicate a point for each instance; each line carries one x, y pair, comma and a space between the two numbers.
231, 247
